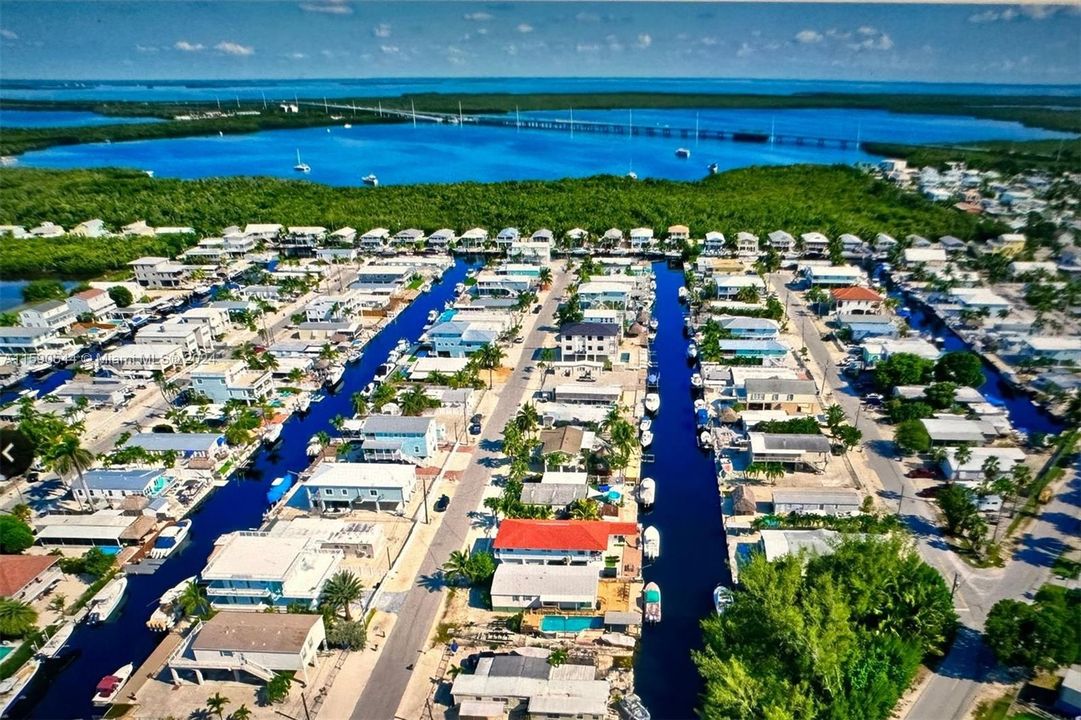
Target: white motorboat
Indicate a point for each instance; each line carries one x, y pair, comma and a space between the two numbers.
631, 708
645, 425
647, 492
654, 324
705, 439
722, 598
201, 289
304, 401
631, 174
370, 179
12, 687
683, 153
57, 642
348, 126
651, 600
688, 327
107, 600
169, 539
696, 380
713, 168
168, 612
301, 167
383, 372
108, 688
682, 293
651, 543
334, 375
692, 351
273, 434
459, 288
646, 439
433, 315
652, 402
402, 347
314, 447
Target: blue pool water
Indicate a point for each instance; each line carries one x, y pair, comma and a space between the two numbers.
402, 154
5, 650
569, 624
63, 118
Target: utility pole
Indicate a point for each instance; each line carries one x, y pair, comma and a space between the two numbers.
953, 587
424, 486
901, 501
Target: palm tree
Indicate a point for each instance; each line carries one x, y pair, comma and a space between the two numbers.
962, 455
416, 401
16, 618
556, 459
384, 394
614, 416
360, 403
241, 713
528, 419
545, 276
69, 456
457, 565
584, 509
216, 704
489, 357
340, 591
623, 439
23, 512
193, 601
337, 422
754, 470
774, 472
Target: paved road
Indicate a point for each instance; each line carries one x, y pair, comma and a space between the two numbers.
387, 684
952, 689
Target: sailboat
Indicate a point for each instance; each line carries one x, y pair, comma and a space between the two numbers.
301, 166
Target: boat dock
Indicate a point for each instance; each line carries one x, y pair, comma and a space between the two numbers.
150, 668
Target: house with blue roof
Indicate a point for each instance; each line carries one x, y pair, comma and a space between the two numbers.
112, 485
750, 328
460, 338
396, 437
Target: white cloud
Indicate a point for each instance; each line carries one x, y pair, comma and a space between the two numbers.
187, 46
871, 39
232, 48
146, 48
296, 56
8, 34
382, 30
613, 43
866, 30
511, 49
477, 16
745, 50
1009, 14
708, 41
808, 37
389, 49
644, 40
330, 7
587, 17
587, 48
482, 31
524, 28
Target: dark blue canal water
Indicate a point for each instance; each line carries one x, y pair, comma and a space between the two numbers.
688, 515
237, 506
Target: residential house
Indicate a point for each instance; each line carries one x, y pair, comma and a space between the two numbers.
569, 440
729, 286
1018, 268
533, 252
792, 396
641, 239
972, 469
679, 234
338, 486
353, 539
208, 251
713, 243
506, 237
815, 243
876, 349
613, 237
544, 235
20, 340
56, 315
856, 300
214, 320
1060, 350
302, 240
597, 342
884, 243
603, 315
852, 244
957, 430
599, 544
47, 230
139, 228
17, 232
473, 239
24, 578
768, 351
460, 338
557, 496
257, 570
160, 273
517, 587
747, 244
90, 229
108, 529
143, 360
263, 232
257, 643
394, 437
334, 254
98, 391
952, 245
336, 307
111, 485
383, 279
862, 326
796, 451
817, 501
225, 380
409, 236
192, 339
781, 241
749, 328
530, 687
980, 300
604, 294
187, 445
834, 275
344, 236
441, 239
587, 394
374, 240
925, 256
1006, 244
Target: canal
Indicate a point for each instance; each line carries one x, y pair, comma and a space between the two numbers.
66, 692
1024, 414
687, 513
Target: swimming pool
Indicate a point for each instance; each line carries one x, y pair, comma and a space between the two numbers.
5, 650
566, 624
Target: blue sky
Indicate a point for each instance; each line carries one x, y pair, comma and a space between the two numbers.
361, 39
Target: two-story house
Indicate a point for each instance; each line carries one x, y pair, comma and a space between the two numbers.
746, 244
713, 244
374, 240
355, 486
460, 338
193, 340
531, 251
409, 236
56, 315
604, 294
856, 300
507, 237
113, 485
833, 275
815, 243
302, 240
750, 328
589, 341
394, 437
215, 320
641, 239
793, 396
159, 272
225, 380
473, 239
781, 241
728, 286
256, 570
610, 549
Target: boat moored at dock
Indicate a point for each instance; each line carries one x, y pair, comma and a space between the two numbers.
108, 688
335, 373
651, 543
169, 539
652, 402
722, 598
631, 708
647, 439
11, 688
57, 642
692, 351
651, 600
107, 600
647, 492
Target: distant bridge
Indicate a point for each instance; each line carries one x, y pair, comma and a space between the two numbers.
629, 129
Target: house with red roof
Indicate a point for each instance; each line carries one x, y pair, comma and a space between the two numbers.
856, 300
26, 577
94, 301
594, 543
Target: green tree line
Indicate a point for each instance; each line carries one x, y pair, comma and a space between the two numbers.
798, 198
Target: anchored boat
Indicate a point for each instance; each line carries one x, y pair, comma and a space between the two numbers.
692, 351
334, 375
647, 492
302, 167
12, 687
651, 543
652, 402
169, 539
647, 439
107, 600
683, 153
696, 381
109, 686
278, 488
273, 434
57, 642
682, 293
651, 598
722, 598
631, 708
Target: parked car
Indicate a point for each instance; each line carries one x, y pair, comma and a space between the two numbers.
930, 492
474, 429
476, 419
536, 309
442, 503
519, 340
922, 472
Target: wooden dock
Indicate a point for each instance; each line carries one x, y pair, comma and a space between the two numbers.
148, 670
